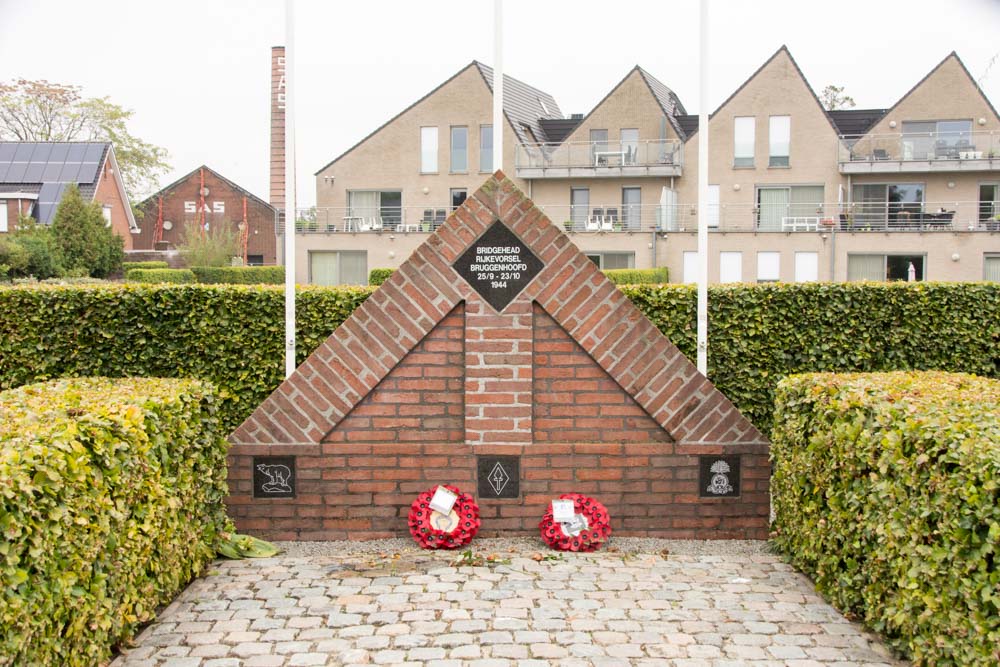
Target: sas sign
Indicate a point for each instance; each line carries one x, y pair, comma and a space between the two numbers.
217, 207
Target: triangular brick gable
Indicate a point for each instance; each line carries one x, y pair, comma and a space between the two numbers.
373, 340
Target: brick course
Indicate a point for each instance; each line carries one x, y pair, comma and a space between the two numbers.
425, 375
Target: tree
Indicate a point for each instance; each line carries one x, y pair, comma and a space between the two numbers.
86, 243
216, 246
43, 111
833, 98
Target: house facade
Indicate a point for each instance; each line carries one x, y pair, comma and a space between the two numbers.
34, 175
205, 198
797, 193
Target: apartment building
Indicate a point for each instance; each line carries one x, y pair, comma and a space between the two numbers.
798, 193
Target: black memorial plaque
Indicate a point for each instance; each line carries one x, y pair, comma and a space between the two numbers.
499, 476
274, 477
498, 265
719, 476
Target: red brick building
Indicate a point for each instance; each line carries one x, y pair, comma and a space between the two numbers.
205, 197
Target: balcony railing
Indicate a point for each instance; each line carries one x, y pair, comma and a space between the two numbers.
599, 159
919, 151
617, 218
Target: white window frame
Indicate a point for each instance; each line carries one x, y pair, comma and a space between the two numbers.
3, 216
776, 127
451, 150
806, 273
748, 124
987, 256
106, 212
713, 208
485, 153
689, 270
768, 266
600, 255
429, 150
340, 280
731, 266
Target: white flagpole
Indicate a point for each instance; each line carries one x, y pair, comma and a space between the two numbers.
703, 189
289, 187
497, 84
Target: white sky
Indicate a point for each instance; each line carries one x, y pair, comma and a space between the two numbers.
197, 73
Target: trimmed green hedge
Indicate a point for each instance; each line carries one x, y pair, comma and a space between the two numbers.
112, 500
638, 276
178, 276
232, 335
239, 275
378, 276
886, 490
144, 265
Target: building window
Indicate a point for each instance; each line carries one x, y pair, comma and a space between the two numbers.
768, 267
777, 207
598, 145
630, 146
106, 210
458, 196
428, 150
3, 215
887, 204
486, 148
743, 141
612, 260
885, 267
927, 139
780, 136
459, 150
989, 205
255, 260
713, 206
690, 266
342, 267
806, 267
991, 267
374, 206
631, 208
579, 206
730, 267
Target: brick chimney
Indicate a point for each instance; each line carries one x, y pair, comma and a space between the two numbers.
277, 197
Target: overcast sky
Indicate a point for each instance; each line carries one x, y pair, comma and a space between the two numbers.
196, 73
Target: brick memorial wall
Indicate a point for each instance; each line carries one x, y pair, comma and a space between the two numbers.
498, 358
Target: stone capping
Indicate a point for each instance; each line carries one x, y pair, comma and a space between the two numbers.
373, 340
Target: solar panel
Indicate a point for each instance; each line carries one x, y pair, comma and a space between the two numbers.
76, 152
59, 152
51, 172
24, 152
7, 152
94, 153
87, 172
48, 201
41, 152
16, 172
69, 172
4, 166
34, 172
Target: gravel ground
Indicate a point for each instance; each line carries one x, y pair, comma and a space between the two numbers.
638, 545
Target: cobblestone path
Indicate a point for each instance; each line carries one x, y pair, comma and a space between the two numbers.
335, 605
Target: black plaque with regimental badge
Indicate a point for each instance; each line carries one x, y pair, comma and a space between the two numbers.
719, 476
499, 476
274, 477
498, 265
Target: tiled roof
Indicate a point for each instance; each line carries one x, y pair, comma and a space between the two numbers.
668, 100
525, 106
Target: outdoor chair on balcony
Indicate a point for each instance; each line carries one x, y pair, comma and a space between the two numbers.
610, 220
880, 154
630, 156
439, 217
594, 221
372, 224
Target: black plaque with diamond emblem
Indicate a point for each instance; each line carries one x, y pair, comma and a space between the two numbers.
498, 265
499, 476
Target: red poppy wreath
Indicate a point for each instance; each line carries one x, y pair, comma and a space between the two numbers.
589, 528
438, 530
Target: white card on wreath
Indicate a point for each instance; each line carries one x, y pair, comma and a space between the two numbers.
562, 511
443, 500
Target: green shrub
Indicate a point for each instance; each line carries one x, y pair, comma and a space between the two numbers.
215, 246
886, 489
160, 276
378, 276
44, 258
239, 275
126, 266
112, 500
658, 275
757, 334
85, 240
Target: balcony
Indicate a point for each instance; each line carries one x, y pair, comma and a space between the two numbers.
604, 159
919, 152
